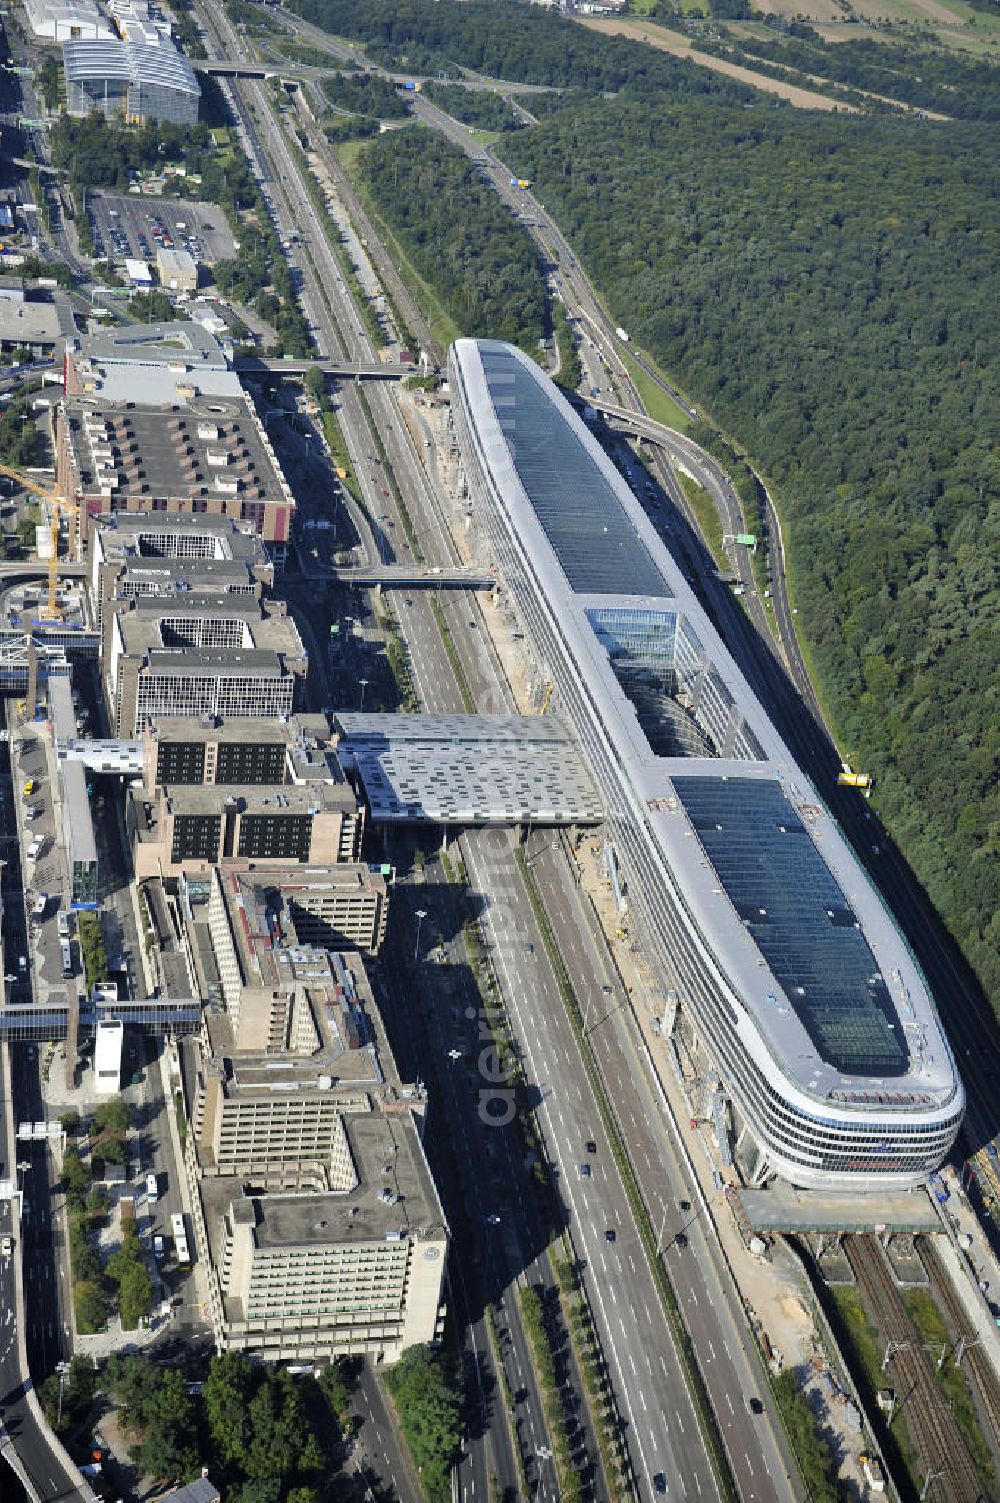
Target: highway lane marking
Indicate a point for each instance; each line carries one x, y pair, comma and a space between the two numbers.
749, 1463
680, 1422
730, 1403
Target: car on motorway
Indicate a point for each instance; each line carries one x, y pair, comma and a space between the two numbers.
591, 1146
681, 1240
585, 1171
611, 1235
493, 1220
754, 1405
660, 1482
7, 1246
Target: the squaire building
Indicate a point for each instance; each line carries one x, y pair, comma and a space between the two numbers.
802, 993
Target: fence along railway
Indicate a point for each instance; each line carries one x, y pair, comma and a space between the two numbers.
944, 1457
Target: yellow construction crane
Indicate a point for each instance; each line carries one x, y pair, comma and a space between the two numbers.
548, 695
59, 507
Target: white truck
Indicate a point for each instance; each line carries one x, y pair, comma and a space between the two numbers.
622, 335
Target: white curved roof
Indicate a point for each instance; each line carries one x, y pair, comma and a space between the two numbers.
803, 939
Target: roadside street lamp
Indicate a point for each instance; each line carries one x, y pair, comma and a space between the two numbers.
420, 915
363, 685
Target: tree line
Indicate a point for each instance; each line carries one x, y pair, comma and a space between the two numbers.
927, 78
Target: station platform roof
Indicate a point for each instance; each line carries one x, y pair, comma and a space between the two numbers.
782, 1208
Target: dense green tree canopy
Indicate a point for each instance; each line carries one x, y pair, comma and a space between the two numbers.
520, 43
458, 235
365, 94
428, 1399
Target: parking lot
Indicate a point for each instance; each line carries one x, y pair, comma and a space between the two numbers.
129, 224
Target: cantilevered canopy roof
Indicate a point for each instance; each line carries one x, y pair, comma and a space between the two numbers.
469, 769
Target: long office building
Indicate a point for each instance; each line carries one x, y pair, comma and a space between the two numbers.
821, 1042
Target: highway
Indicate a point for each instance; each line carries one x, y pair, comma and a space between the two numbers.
339, 330
661, 1439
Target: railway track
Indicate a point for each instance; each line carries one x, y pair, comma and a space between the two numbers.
944, 1458
976, 1360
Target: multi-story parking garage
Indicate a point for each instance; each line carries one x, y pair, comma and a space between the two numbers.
804, 997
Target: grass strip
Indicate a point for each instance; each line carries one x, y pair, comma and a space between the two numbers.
399, 662
598, 1393
508, 1400
437, 611
579, 1322
543, 1341
668, 1299
709, 524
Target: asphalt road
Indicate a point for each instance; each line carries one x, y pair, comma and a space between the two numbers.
339, 330
662, 1441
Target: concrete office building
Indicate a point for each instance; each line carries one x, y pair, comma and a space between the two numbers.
155, 421
215, 792
252, 911
818, 1046
343, 1218
134, 555
190, 829
201, 655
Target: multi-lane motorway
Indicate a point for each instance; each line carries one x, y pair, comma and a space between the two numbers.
661, 1424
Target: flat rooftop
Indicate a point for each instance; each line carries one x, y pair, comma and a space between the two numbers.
378, 1142
469, 769
105, 360
36, 323
156, 442
253, 728
352, 1049
212, 630
211, 798
138, 535
781, 1208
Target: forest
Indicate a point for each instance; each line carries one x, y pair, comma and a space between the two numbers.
521, 44
481, 107
826, 289
365, 94
458, 235
927, 78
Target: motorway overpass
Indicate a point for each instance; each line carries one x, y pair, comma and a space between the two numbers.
255, 365
406, 577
